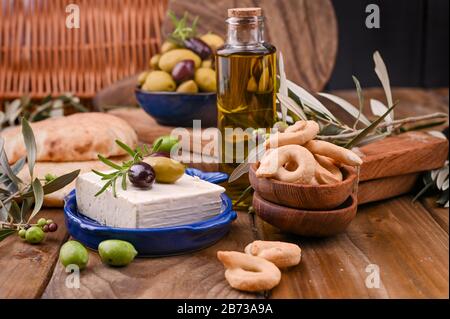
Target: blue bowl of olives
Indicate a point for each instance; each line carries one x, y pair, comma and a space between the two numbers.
179, 109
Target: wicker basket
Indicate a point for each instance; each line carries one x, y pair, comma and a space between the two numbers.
40, 55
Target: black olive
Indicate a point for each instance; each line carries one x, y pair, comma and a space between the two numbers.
183, 71
142, 175
199, 47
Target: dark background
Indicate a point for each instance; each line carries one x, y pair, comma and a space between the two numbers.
413, 40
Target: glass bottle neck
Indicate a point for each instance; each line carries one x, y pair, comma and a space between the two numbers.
245, 32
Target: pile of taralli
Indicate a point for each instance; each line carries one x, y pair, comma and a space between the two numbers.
294, 156
258, 269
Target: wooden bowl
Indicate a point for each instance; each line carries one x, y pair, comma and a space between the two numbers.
310, 197
306, 222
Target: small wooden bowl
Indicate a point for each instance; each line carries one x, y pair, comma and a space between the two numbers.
304, 222
310, 197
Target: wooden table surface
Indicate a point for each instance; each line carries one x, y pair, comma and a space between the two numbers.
407, 241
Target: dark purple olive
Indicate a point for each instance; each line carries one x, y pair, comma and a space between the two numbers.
46, 228
52, 227
198, 46
142, 175
183, 71
161, 154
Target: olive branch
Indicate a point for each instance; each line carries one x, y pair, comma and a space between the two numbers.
20, 202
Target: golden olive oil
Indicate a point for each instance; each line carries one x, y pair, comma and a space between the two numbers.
246, 79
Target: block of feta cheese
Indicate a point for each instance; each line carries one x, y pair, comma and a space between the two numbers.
188, 200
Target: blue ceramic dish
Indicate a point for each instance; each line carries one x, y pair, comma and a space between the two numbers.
155, 242
179, 109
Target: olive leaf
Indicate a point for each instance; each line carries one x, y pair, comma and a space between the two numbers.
369, 129
346, 106
381, 71
289, 104
309, 99
38, 192
360, 100
243, 168
5, 233
56, 184
30, 145
6, 168
14, 212
283, 89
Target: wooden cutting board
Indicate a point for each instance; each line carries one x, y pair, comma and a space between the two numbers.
390, 167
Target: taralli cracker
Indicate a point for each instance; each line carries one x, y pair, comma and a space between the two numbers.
282, 254
326, 171
289, 163
249, 273
340, 154
297, 134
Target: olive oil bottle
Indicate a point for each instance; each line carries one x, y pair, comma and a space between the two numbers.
246, 78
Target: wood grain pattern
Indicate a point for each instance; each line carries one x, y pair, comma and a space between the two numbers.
439, 213
311, 223
26, 269
304, 31
403, 154
385, 188
196, 275
401, 238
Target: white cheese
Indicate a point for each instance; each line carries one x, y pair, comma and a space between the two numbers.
187, 201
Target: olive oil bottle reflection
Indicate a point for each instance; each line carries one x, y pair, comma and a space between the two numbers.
246, 78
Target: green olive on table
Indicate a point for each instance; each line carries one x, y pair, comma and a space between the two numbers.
116, 252
34, 235
73, 253
167, 170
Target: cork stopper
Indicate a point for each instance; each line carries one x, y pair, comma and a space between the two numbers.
244, 12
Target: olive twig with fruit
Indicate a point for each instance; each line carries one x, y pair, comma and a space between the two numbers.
20, 202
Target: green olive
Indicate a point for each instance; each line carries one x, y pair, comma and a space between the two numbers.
154, 61
212, 40
206, 79
22, 233
34, 235
170, 59
159, 81
188, 87
73, 253
116, 252
167, 170
41, 222
167, 46
164, 144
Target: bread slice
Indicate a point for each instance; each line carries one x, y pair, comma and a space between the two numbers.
77, 137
